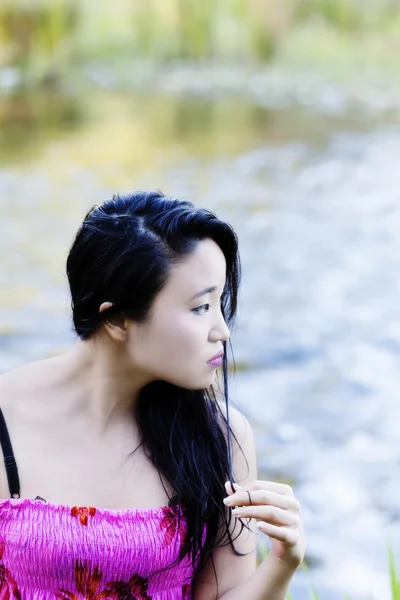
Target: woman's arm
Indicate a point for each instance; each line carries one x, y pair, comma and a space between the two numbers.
275, 511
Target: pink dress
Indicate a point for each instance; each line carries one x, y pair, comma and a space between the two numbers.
51, 551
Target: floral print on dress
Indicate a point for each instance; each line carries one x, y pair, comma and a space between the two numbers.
169, 524
88, 583
83, 512
48, 554
186, 592
8, 585
134, 589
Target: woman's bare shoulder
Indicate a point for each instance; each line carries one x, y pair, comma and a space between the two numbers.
236, 417
243, 445
22, 382
238, 422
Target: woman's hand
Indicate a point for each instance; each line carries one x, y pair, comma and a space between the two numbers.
277, 513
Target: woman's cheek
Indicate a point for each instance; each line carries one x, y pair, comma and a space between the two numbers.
184, 335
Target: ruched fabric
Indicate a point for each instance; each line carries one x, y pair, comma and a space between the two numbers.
51, 551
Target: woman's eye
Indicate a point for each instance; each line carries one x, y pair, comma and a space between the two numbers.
201, 310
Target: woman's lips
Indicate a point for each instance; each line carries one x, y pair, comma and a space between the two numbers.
217, 360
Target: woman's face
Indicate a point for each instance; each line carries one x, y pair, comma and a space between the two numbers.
185, 328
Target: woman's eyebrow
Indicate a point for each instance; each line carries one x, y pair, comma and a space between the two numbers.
204, 292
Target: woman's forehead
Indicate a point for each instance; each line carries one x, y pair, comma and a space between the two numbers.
204, 268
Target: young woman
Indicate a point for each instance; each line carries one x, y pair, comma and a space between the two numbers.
121, 454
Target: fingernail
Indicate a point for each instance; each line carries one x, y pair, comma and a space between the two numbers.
232, 486
228, 501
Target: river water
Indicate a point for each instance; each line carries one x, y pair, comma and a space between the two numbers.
311, 183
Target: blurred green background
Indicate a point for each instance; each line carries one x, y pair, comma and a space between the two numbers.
45, 38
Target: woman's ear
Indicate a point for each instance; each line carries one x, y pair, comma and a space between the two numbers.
116, 326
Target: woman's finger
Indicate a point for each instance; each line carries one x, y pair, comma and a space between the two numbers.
288, 536
261, 497
271, 514
271, 486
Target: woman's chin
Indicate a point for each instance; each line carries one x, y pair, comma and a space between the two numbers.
195, 382
200, 384
208, 381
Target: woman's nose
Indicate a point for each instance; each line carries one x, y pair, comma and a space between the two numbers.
220, 332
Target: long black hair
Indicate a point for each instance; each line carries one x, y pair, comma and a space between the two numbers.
123, 253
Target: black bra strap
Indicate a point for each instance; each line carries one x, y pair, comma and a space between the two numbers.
9, 460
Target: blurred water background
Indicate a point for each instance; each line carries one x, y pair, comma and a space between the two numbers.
283, 116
